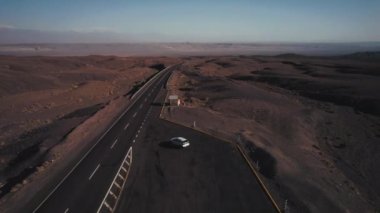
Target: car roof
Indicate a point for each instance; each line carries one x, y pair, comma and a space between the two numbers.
179, 138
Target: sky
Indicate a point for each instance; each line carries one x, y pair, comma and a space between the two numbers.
196, 20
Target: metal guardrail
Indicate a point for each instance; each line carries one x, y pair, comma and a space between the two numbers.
111, 199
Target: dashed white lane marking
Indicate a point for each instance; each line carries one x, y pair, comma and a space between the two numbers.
92, 174
67, 210
126, 126
134, 140
134, 115
140, 106
114, 143
91, 148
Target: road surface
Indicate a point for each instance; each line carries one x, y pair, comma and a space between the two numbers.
132, 168
85, 186
208, 176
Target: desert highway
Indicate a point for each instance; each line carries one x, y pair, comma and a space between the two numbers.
133, 168
85, 186
208, 176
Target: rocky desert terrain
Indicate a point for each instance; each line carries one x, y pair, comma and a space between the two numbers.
51, 107
310, 124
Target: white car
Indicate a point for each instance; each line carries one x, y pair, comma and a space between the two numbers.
180, 141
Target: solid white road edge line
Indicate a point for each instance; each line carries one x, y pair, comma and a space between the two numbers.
92, 174
159, 74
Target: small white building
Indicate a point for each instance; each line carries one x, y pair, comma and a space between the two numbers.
174, 100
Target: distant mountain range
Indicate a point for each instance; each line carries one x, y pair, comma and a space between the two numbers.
15, 41
369, 55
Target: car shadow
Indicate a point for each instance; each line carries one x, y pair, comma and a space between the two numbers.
159, 104
168, 145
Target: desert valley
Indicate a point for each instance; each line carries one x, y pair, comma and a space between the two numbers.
310, 124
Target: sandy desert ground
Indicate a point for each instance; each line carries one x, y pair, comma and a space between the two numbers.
52, 106
310, 124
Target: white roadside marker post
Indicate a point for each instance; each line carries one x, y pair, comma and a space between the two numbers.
286, 208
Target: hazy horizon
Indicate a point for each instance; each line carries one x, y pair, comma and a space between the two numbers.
185, 49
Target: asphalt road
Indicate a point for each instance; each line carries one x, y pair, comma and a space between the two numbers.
208, 176
85, 185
